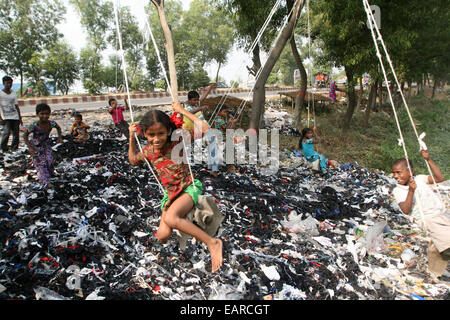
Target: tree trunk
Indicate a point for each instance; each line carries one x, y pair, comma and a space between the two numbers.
256, 61
351, 99
381, 94
409, 90
395, 96
259, 92
169, 47
21, 83
435, 82
358, 104
217, 74
370, 103
300, 99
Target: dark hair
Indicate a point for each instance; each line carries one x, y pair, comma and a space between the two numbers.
193, 94
42, 107
403, 162
223, 107
302, 135
111, 100
78, 115
155, 116
7, 78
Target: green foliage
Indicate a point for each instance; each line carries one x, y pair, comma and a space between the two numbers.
207, 32
35, 74
430, 116
92, 74
97, 17
285, 67
61, 66
26, 27
249, 16
201, 35
199, 78
112, 72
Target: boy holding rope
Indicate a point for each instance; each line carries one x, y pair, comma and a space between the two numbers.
436, 218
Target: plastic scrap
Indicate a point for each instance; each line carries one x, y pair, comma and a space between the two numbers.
291, 235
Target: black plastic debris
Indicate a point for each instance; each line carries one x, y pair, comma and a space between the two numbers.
91, 236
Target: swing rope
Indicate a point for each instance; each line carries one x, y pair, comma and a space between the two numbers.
171, 94
252, 47
388, 58
242, 104
119, 37
372, 25
310, 93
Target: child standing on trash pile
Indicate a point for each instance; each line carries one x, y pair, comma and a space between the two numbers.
194, 106
40, 145
117, 115
79, 129
181, 193
307, 141
414, 197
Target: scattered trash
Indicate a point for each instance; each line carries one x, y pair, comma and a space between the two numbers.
291, 235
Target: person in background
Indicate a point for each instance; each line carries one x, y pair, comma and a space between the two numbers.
221, 123
194, 106
10, 115
40, 147
306, 144
79, 130
117, 115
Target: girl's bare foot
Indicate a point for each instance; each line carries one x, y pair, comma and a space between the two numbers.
215, 248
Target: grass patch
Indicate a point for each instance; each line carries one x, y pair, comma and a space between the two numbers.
376, 146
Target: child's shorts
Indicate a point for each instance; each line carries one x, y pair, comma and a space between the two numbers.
194, 193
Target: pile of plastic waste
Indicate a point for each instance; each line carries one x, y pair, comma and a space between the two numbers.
292, 235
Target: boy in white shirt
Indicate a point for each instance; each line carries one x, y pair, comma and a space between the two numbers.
10, 115
416, 199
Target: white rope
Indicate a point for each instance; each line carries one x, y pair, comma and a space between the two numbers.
266, 23
242, 104
158, 55
124, 67
372, 23
171, 94
252, 47
388, 58
310, 64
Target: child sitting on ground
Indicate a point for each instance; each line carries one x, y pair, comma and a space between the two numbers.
318, 161
414, 197
181, 193
79, 129
40, 145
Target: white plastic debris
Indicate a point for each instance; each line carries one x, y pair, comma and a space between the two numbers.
271, 272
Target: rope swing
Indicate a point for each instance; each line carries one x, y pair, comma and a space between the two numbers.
170, 91
373, 26
124, 69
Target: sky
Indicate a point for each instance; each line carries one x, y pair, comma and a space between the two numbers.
75, 35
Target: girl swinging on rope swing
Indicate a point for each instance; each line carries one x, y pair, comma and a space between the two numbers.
181, 193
